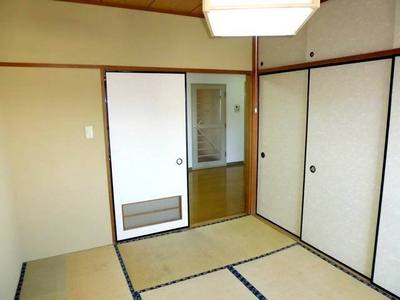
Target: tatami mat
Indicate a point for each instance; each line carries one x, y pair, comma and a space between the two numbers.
217, 285
154, 261
91, 274
296, 273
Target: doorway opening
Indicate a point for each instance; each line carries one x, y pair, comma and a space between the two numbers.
216, 146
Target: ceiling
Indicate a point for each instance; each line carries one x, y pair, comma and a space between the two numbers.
178, 7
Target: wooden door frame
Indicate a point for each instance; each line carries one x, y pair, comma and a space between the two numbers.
251, 133
251, 130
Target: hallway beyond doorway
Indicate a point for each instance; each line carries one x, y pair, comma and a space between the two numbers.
216, 193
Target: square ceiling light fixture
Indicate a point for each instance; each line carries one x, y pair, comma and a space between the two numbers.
257, 17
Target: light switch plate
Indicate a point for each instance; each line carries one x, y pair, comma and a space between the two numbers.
89, 132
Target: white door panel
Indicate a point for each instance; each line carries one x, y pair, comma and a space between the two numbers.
147, 127
282, 125
387, 262
346, 136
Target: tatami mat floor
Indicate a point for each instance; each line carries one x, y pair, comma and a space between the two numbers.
179, 255
91, 274
243, 258
217, 285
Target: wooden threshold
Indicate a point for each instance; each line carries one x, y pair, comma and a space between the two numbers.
228, 165
333, 61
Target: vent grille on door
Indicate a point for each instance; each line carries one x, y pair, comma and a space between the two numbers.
151, 212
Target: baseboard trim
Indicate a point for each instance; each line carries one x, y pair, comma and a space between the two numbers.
230, 164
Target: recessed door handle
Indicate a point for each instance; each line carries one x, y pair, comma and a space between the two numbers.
313, 169
262, 155
179, 161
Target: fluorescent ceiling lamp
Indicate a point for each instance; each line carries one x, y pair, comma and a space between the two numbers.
257, 17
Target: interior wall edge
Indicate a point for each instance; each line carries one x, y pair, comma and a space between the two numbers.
253, 133
11, 256
107, 153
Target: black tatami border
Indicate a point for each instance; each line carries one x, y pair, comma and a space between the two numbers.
246, 283
20, 281
135, 294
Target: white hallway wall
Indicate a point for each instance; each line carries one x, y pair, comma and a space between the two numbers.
235, 94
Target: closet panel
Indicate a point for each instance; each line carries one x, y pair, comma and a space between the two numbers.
342, 28
282, 117
345, 148
387, 261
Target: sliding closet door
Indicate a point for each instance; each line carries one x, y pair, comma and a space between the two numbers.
387, 261
147, 127
346, 135
282, 125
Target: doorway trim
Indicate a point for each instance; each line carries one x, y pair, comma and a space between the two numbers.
194, 130
250, 164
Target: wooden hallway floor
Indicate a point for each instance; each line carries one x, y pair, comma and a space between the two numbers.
216, 193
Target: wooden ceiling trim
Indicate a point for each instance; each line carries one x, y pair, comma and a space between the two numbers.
177, 5
389, 53
191, 8
148, 7
200, 6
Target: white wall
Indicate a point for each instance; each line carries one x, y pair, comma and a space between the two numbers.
396, 38
280, 51
62, 32
10, 256
235, 94
338, 28
59, 178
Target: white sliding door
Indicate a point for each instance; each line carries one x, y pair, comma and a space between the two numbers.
387, 261
282, 126
147, 128
346, 135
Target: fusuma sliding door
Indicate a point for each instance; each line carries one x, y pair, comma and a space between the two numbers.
387, 262
348, 106
147, 131
282, 126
